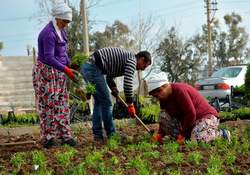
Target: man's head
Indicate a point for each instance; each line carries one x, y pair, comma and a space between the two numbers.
143, 60
158, 86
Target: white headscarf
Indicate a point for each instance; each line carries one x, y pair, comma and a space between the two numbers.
156, 80
62, 11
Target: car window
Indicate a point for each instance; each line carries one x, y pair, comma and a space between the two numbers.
227, 72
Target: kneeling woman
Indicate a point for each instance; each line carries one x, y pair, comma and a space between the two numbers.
185, 114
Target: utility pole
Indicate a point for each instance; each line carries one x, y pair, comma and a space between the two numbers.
85, 28
210, 7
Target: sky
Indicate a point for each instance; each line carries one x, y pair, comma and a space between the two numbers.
20, 24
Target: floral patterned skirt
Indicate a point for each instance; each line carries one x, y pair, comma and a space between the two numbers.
51, 101
205, 129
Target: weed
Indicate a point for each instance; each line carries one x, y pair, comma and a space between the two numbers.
146, 146
195, 157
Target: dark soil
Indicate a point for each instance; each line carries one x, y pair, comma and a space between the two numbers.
86, 145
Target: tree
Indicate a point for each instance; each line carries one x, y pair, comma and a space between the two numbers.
1, 46
117, 35
178, 58
229, 47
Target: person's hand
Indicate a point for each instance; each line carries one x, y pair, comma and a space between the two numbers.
72, 74
131, 110
180, 139
114, 92
157, 138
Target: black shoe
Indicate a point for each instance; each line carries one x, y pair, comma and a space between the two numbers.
49, 143
70, 142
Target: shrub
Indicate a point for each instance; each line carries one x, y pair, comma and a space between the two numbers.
247, 85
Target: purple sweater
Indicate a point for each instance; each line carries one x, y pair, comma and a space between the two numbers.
187, 105
51, 50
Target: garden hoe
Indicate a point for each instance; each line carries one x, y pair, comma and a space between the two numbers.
137, 118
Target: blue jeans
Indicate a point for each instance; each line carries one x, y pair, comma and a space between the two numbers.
102, 101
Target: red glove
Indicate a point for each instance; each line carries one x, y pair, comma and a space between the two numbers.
157, 138
180, 139
69, 72
131, 110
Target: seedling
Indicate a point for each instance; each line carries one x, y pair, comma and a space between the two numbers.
90, 88
230, 158
18, 159
114, 160
171, 171
113, 142
94, 159
77, 170
39, 159
152, 154
214, 165
195, 157
140, 165
64, 158
171, 147
191, 145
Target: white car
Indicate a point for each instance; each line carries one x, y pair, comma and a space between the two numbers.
220, 83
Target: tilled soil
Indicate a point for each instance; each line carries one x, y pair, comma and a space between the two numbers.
86, 144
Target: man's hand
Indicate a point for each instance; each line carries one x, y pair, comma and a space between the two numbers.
157, 138
180, 139
114, 92
131, 110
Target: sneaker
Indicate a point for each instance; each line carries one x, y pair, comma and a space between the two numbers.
49, 143
70, 142
226, 134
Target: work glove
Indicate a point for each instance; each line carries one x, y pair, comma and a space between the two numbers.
72, 74
114, 92
131, 110
157, 138
180, 139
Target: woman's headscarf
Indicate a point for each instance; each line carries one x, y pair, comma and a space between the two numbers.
62, 11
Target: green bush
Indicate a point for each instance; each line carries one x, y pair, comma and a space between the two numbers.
247, 85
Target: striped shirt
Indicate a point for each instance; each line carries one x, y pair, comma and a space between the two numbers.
116, 62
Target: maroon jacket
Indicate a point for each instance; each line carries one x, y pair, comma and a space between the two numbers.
187, 105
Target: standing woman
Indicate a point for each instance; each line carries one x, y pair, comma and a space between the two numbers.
49, 79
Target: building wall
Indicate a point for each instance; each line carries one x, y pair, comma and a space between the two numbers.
16, 88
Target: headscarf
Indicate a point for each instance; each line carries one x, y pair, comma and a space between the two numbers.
156, 80
62, 11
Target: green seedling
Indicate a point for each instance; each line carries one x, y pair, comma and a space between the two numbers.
64, 157
214, 165
114, 160
77, 170
39, 159
152, 154
172, 171
144, 145
94, 159
18, 159
195, 157
171, 147
140, 165
90, 88
230, 158
191, 145
113, 142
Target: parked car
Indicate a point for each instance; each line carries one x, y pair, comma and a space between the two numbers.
221, 82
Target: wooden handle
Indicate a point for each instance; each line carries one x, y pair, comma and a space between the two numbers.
137, 118
17, 143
